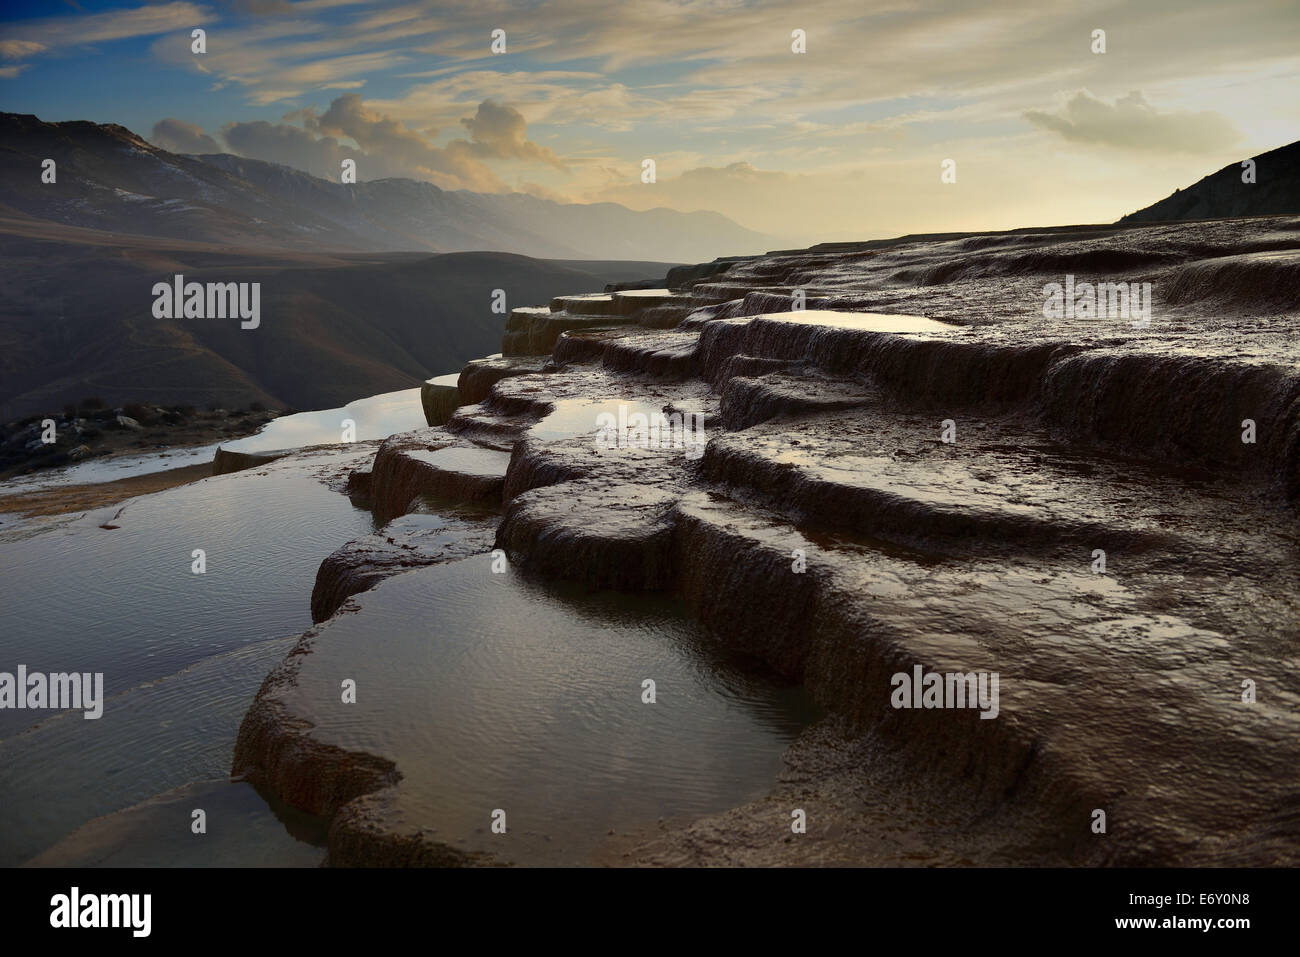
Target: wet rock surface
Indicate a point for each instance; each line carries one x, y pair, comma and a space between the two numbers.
439, 397
433, 462
479, 376
479, 692
225, 461
410, 541
919, 470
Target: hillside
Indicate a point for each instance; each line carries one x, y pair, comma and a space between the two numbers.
77, 320
1220, 195
110, 179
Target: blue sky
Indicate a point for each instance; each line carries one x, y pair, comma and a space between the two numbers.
843, 141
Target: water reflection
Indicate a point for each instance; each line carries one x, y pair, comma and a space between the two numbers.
377, 417
494, 691
182, 654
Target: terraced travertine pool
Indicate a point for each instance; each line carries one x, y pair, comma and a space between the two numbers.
181, 653
490, 691
501, 691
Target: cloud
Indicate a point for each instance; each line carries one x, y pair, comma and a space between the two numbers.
542, 192
265, 97
394, 149
334, 69
1132, 122
500, 131
259, 8
29, 37
846, 137
386, 147
309, 47
177, 136
290, 146
348, 116
19, 49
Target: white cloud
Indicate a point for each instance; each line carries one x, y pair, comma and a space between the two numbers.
1131, 121
387, 147
19, 49
500, 132
29, 37
177, 136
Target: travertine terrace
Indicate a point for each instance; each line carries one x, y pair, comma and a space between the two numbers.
830, 531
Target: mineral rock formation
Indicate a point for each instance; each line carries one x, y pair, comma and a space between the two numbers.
404, 543
925, 468
440, 397
226, 460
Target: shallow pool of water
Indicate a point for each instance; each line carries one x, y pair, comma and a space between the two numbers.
860, 321
181, 653
467, 461
377, 417
242, 830
110, 469
491, 691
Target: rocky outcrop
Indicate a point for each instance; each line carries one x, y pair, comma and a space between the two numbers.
407, 542
272, 752
1273, 188
355, 840
479, 376
413, 464
534, 330
925, 473
440, 397
623, 540
226, 460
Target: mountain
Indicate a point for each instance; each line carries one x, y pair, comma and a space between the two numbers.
112, 180
76, 319
1223, 194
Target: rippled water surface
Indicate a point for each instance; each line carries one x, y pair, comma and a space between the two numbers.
182, 654
110, 469
492, 691
375, 418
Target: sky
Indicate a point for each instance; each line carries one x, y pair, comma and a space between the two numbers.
845, 141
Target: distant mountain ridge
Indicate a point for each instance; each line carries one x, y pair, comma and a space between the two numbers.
110, 179
1223, 194
77, 321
